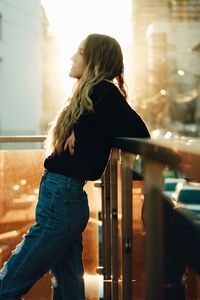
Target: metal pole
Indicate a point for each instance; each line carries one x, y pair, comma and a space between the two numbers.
106, 235
114, 223
127, 223
153, 183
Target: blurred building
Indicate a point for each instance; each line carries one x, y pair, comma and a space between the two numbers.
53, 86
31, 89
167, 35
20, 67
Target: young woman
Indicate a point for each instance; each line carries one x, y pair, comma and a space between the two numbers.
79, 143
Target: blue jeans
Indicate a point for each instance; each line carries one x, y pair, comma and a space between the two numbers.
53, 243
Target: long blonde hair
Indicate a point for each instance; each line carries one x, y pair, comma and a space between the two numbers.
103, 59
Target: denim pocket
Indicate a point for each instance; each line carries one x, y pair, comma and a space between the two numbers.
74, 195
49, 188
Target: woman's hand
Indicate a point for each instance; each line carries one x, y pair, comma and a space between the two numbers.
70, 143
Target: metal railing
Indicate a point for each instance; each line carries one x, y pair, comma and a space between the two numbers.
181, 156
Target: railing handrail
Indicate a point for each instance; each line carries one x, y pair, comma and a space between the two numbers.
185, 145
180, 155
131, 145
22, 138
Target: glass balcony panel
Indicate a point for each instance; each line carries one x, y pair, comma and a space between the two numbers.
20, 173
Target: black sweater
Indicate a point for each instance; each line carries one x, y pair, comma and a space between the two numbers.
112, 116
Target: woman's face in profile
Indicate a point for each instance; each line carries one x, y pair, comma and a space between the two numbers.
77, 63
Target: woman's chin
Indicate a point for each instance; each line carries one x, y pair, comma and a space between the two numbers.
72, 75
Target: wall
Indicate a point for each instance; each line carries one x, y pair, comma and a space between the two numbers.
20, 67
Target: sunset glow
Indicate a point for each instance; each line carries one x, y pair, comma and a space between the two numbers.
72, 21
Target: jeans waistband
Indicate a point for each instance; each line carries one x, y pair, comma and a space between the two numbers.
63, 179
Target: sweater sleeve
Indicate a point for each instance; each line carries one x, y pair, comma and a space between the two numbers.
112, 116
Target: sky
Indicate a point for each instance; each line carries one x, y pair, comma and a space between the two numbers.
71, 21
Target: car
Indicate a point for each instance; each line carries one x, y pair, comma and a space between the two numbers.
187, 195
170, 185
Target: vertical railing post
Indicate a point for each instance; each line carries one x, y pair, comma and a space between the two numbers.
2, 201
153, 216
114, 223
127, 220
106, 234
